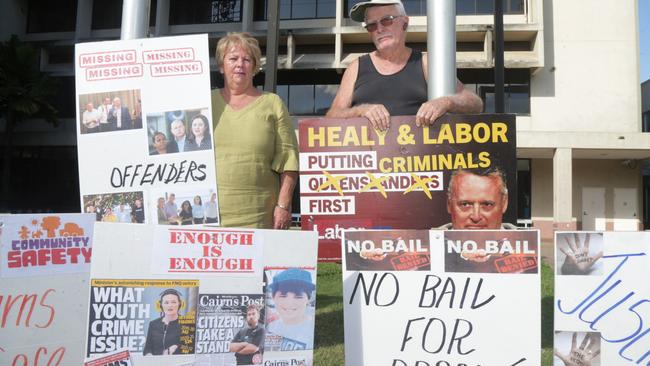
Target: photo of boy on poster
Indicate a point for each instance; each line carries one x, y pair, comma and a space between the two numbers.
178, 131
290, 309
110, 111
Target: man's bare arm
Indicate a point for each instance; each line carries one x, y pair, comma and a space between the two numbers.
464, 101
341, 107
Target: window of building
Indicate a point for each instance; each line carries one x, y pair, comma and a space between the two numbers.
646, 121
523, 191
45, 16
463, 7
107, 14
297, 9
33, 165
204, 11
516, 98
646, 199
64, 99
485, 7
307, 100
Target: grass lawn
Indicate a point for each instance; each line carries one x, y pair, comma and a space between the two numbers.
329, 316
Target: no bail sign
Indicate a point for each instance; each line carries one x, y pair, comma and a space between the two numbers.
425, 298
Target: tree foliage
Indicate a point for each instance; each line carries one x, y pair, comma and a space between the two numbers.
24, 89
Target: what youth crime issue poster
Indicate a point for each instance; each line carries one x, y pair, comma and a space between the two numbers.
602, 298
144, 123
45, 244
436, 307
354, 177
148, 317
197, 249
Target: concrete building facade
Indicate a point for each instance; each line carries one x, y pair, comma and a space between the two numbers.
572, 79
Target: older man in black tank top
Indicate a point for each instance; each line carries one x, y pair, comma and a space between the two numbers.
393, 79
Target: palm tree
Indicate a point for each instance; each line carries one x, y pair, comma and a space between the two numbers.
24, 93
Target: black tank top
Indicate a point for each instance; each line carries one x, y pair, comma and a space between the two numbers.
402, 93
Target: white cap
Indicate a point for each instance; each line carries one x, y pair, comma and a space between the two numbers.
358, 10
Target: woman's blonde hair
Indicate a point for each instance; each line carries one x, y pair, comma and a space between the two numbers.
246, 41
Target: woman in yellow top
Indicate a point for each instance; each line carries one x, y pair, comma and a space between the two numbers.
255, 143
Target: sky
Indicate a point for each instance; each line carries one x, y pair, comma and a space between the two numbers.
644, 38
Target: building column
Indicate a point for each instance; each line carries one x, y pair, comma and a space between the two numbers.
247, 16
338, 41
162, 18
84, 18
563, 189
13, 19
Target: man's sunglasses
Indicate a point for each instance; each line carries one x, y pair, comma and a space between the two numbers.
386, 21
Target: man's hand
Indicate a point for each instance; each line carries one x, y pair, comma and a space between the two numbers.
478, 256
376, 254
583, 355
377, 114
430, 111
578, 261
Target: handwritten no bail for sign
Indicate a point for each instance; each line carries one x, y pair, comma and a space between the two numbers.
410, 299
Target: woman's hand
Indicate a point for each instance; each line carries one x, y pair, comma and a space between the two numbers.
281, 218
170, 350
282, 210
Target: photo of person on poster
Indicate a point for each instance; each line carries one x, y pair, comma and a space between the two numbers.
119, 117
112, 112
291, 291
201, 138
578, 254
568, 352
477, 199
248, 344
164, 333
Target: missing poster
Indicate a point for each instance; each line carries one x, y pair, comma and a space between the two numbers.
145, 148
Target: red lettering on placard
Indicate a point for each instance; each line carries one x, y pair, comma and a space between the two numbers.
53, 360
27, 303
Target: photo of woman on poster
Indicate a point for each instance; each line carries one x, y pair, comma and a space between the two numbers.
293, 320
164, 333
201, 139
186, 213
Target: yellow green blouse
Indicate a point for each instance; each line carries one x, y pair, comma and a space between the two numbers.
252, 147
